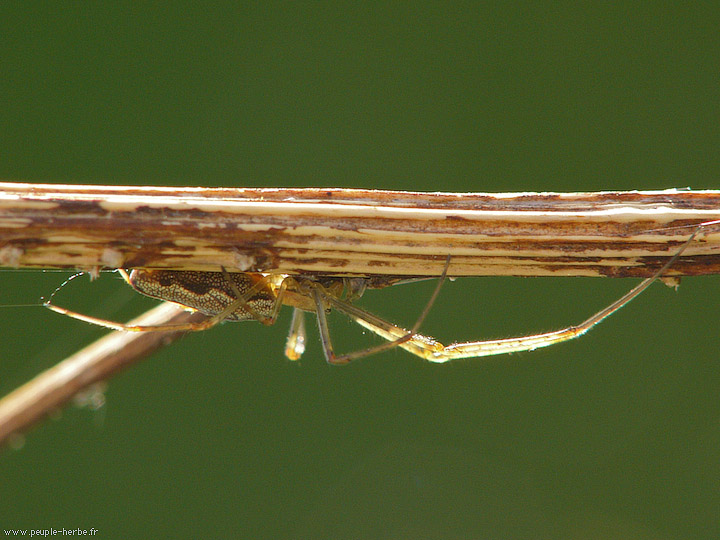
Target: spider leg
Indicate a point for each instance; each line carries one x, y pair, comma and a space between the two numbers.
396, 336
433, 351
295, 344
188, 327
251, 292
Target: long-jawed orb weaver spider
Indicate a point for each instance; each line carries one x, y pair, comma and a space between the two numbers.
259, 296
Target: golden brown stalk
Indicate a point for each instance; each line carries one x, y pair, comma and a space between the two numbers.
357, 232
54, 387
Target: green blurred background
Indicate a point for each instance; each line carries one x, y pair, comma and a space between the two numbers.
614, 436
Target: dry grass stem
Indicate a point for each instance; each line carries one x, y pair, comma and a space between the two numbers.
356, 232
97, 362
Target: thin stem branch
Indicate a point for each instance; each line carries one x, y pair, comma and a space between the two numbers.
118, 350
357, 232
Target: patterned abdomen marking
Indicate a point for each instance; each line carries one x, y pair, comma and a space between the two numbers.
207, 292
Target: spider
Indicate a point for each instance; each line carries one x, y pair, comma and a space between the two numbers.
232, 296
